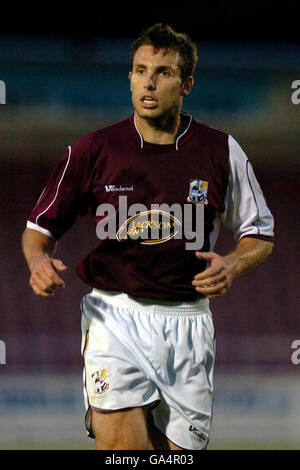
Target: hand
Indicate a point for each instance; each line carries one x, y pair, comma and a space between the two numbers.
216, 279
44, 279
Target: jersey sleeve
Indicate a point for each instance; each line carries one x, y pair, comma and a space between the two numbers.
63, 198
246, 211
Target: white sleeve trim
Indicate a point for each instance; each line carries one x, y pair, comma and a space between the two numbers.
57, 189
39, 229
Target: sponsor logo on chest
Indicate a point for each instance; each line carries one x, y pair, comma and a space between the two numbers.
113, 188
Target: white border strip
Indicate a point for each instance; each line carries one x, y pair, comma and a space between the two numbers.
184, 132
62, 176
142, 140
177, 140
33, 226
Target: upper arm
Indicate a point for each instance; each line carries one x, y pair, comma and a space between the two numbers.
246, 211
62, 198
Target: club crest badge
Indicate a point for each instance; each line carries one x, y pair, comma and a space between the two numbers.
100, 381
198, 192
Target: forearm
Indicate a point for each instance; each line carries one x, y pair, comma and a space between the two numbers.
38, 250
217, 278
36, 246
248, 254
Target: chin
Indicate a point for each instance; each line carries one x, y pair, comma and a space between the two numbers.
149, 113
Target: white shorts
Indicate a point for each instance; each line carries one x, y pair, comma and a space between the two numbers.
138, 352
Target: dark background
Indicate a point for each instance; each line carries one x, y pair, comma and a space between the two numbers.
237, 21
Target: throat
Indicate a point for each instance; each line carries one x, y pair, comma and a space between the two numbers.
162, 130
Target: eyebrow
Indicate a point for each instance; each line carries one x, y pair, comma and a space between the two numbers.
139, 65
158, 68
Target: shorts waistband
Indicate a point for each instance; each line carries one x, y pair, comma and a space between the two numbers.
165, 307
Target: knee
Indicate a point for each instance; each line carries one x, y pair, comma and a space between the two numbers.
111, 433
114, 441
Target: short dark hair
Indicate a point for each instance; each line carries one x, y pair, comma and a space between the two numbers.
162, 36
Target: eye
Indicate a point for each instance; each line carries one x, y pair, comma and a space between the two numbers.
165, 73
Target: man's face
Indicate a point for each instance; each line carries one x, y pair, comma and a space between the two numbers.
155, 83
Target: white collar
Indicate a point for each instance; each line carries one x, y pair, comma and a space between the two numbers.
182, 131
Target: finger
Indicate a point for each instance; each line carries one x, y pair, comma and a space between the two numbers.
38, 291
209, 280
47, 279
44, 281
212, 290
57, 282
219, 294
59, 265
205, 255
209, 272
48, 267
41, 284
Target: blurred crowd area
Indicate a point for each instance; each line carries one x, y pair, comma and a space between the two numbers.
57, 90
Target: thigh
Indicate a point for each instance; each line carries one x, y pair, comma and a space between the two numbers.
158, 439
122, 429
129, 429
185, 427
114, 378
184, 413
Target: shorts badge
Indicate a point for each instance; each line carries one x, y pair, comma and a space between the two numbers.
100, 381
198, 192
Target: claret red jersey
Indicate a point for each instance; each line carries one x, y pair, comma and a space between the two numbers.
147, 201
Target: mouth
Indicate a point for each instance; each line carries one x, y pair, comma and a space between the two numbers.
148, 102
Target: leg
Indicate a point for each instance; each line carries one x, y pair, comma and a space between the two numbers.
158, 439
124, 429
128, 429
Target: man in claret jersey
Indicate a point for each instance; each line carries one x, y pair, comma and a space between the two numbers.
148, 338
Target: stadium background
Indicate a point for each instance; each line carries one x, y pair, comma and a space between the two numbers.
66, 76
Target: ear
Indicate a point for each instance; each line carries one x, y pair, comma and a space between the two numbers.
187, 86
129, 77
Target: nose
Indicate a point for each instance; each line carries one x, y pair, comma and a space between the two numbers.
150, 83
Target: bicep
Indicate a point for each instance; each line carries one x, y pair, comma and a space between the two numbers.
246, 211
61, 201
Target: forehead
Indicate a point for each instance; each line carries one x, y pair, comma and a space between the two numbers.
147, 55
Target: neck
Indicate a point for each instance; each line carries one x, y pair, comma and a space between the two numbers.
162, 130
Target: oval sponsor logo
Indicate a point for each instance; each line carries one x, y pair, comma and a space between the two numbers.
149, 227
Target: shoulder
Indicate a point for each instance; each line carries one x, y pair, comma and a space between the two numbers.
214, 145
220, 140
210, 133
114, 131
236, 153
92, 142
